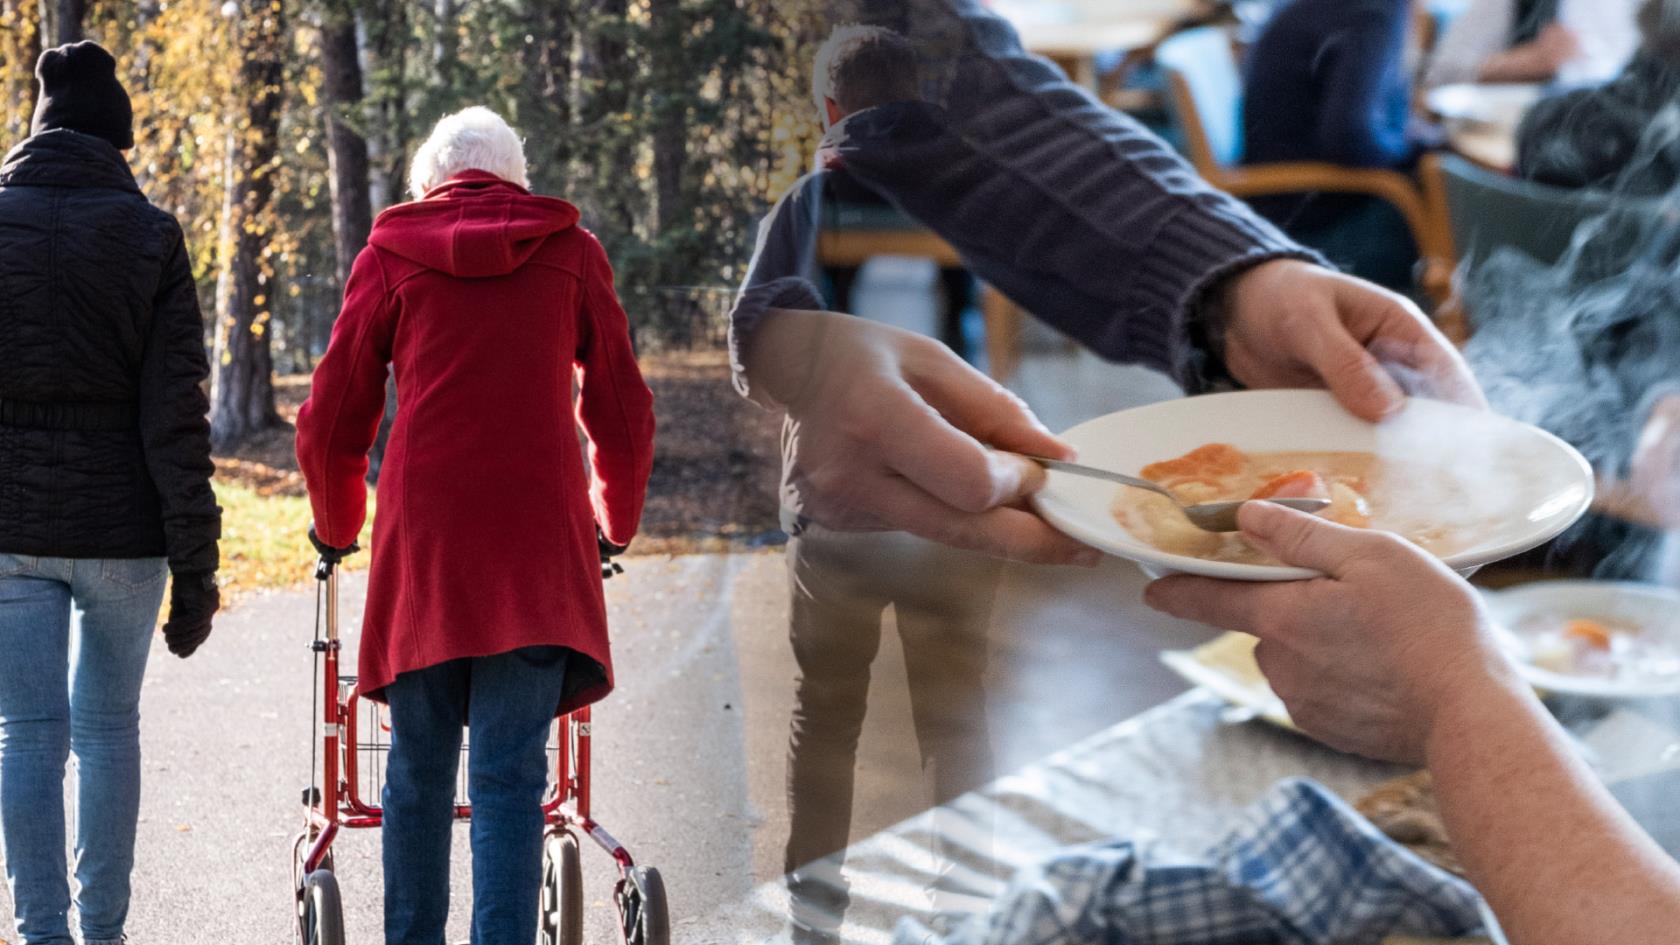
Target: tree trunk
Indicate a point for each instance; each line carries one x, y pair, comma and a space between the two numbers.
242, 395
347, 155
607, 77
61, 21
445, 47
385, 44
384, 40
145, 12
670, 114
69, 25
547, 110
347, 149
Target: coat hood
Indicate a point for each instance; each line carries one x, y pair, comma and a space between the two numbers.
473, 226
65, 158
886, 133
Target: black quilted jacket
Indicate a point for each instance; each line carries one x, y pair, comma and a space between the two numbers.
104, 445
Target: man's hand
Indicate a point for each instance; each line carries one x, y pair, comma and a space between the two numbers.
1650, 495
1654, 473
1538, 60
892, 430
1288, 323
1366, 658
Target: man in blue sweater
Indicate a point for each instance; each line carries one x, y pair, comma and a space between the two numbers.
1327, 81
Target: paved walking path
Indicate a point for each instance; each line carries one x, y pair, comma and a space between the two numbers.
689, 750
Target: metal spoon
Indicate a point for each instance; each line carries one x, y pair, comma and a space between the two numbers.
1207, 516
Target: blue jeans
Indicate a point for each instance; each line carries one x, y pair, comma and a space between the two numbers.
75, 634
509, 701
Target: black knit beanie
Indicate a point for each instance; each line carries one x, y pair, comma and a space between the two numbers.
80, 92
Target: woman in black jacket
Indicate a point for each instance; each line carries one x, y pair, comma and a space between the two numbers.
104, 489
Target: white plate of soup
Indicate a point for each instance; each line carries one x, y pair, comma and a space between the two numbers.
1606, 639
1468, 485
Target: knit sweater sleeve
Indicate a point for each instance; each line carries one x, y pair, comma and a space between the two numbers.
1075, 211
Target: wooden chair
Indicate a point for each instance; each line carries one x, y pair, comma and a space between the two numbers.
853, 246
1204, 89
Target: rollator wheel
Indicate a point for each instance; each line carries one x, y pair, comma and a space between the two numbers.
642, 908
561, 922
322, 921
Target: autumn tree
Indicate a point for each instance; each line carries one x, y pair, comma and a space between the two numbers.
275, 133
242, 395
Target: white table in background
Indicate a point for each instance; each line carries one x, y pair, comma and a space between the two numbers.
1482, 120
1074, 34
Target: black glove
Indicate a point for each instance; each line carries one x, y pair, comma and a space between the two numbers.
327, 552
193, 600
608, 549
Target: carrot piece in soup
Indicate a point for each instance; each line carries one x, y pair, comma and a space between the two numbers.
1590, 632
1300, 484
1214, 461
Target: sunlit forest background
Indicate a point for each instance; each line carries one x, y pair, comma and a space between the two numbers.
275, 130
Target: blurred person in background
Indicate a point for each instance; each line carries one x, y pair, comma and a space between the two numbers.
843, 582
485, 606
1392, 656
1534, 41
1623, 135
104, 490
1600, 326
1097, 227
1327, 80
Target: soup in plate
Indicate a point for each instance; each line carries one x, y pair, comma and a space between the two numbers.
1601, 648
1365, 491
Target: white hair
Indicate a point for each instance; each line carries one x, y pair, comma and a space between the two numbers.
473, 139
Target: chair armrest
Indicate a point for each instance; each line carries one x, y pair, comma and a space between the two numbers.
1266, 180
1441, 261
856, 247
1393, 187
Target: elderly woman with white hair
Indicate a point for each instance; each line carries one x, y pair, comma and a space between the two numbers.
484, 604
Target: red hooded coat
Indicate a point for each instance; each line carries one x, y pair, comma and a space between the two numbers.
488, 302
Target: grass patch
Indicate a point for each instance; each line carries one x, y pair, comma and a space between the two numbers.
265, 541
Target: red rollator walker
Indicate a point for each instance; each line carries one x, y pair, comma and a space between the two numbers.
354, 738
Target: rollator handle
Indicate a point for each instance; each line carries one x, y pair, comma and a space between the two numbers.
330, 556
